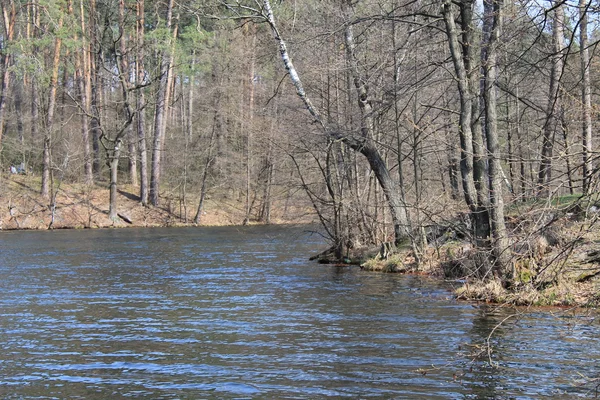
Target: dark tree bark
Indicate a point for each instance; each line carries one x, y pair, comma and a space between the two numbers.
95, 86
491, 30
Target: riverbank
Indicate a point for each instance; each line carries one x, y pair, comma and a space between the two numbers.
566, 273
85, 207
554, 267
557, 264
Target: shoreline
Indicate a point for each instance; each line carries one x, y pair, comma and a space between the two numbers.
473, 291
546, 276
566, 287
78, 206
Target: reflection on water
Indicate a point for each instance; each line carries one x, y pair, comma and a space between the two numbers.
240, 313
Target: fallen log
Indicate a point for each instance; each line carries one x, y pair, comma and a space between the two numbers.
125, 218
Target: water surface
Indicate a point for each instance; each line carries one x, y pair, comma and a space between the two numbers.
241, 313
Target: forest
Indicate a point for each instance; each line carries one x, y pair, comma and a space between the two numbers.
456, 130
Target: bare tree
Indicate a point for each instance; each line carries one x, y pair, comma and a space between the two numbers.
491, 31
115, 143
141, 102
365, 145
586, 95
463, 59
554, 107
47, 159
162, 103
9, 14
84, 85
361, 143
125, 69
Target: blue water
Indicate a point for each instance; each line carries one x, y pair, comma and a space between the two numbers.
188, 313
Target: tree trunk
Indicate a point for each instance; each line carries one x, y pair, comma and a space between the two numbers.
125, 69
114, 154
468, 146
552, 122
567, 153
46, 168
18, 102
160, 116
9, 13
491, 29
207, 163
95, 87
586, 95
470, 57
35, 111
141, 104
114, 175
522, 166
84, 83
35, 101
265, 214
249, 126
390, 186
85, 126
453, 168
187, 121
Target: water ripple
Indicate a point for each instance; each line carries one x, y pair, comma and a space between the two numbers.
240, 313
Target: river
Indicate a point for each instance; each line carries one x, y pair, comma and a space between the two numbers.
230, 312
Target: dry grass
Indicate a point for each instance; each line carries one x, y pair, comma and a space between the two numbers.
559, 271
79, 206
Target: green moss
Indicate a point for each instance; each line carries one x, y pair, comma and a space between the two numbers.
525, 276
547, 299
569, 300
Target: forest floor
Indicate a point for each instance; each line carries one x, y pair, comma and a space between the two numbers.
79, 206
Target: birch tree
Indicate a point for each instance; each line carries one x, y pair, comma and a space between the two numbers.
262, 11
